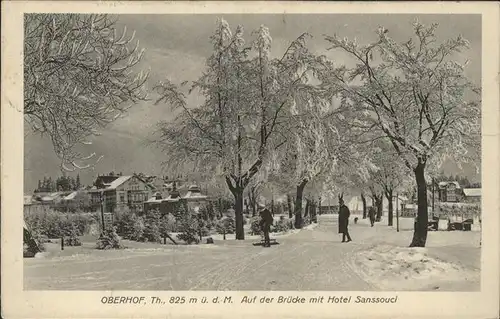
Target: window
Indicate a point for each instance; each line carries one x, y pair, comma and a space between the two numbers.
122, 198
451, 196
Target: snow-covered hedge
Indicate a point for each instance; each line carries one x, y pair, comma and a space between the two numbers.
468, 210
54, 224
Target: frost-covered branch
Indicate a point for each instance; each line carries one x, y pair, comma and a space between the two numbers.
79, 76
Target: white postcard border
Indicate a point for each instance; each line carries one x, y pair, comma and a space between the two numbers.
65, 304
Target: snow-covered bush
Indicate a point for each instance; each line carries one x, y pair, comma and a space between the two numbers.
109, 240
29, 248
255, 226
72, 239
124, 222
188, 228
151, 231
168, 224
282, 225
137, 229
210, 225
204, 228
306, 220
225, 225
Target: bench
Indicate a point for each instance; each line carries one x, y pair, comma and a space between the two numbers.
465, 225
432, 224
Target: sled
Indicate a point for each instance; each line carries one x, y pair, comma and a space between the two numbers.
261, 243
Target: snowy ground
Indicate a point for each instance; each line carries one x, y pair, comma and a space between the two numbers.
310, 259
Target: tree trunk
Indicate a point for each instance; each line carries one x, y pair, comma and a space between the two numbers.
272, 206
363, 199
253, 202
250, 202
379, 202
220, 207
420, 232
290, 210
298, 204
238, 212
314, 218
319, 206
390, 216
308, 207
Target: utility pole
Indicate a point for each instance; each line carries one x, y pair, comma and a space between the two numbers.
272, 203
397, 212
433, 191
101, 197
319, 205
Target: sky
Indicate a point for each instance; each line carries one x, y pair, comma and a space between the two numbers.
177, 47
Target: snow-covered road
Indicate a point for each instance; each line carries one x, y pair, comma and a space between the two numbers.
307, 260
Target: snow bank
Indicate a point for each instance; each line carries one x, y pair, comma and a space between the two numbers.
400, 268
43, 254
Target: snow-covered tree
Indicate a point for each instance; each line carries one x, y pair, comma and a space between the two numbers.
305, 158
80, 73
234, 133
316, 140
389, 174
416, 94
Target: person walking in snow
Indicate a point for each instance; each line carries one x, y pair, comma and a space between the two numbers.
344, 214
371, 215
266, 220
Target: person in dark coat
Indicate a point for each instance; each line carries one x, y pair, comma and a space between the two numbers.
371, 214
344, 214
266, 220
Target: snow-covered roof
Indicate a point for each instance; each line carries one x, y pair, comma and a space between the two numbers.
117, 182
194, 192
443, 184
51, 196
154, 200
28, 199
170, 199
472, 192
71, 196
194, 195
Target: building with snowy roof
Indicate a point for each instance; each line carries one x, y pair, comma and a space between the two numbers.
192, 199
472, 195
116, 192
449, 191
